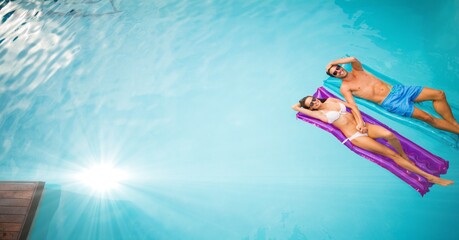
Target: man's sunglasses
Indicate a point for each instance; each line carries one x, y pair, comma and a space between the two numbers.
338, 67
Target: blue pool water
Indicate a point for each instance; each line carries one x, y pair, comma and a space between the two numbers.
189, 103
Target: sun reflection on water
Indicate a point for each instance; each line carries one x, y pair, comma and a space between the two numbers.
102, 178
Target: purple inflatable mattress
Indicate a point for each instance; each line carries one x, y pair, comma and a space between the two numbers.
425, 160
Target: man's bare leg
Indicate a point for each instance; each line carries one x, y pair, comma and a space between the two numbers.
439, 102
435, 122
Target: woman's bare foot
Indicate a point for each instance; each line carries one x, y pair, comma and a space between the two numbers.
440, 181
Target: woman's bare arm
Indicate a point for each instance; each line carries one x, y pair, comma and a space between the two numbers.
314, 114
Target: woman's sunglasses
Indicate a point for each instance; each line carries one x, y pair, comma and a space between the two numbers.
312, 102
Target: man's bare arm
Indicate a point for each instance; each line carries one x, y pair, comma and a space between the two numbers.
354, 109
356, 64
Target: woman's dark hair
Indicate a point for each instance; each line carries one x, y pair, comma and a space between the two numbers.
322, 100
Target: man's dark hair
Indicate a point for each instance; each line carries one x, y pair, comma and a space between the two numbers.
328, 70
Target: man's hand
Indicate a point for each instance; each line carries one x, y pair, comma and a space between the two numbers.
361, 128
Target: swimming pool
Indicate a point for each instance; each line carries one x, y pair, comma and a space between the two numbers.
189, 101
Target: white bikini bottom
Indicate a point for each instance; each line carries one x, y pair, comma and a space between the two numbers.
354, 136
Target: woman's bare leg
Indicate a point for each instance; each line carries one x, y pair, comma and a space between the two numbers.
375, 131
371, 145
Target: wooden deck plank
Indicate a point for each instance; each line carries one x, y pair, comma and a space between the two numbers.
9, 235
18, 186
13, 210
15, 202
18, 205
10, 227
32, 210
12, 218
16, 194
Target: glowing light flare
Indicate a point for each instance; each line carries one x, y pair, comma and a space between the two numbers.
103, 177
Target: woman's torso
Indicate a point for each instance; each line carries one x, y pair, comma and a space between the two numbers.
338, 116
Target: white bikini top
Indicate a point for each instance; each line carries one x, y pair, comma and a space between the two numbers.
332, 116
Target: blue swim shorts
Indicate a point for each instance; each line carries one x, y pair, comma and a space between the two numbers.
400, 99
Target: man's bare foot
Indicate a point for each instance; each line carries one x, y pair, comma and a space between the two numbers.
440, 181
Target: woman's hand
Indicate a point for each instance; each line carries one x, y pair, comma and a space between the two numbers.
361, 128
